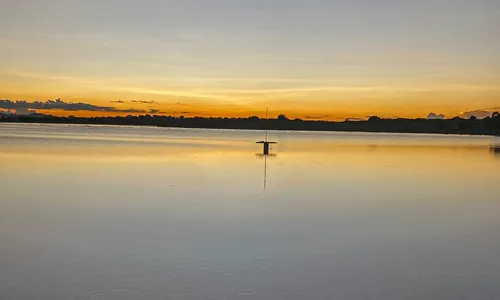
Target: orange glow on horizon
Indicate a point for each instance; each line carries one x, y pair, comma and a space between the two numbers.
328, 103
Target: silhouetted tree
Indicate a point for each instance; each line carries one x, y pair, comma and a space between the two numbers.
282, 117
473, 118
373, 118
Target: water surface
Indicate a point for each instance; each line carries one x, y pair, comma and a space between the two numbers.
107, 212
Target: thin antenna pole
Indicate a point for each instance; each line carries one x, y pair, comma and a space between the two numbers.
266, 123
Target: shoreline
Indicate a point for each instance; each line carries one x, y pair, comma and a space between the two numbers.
289, 125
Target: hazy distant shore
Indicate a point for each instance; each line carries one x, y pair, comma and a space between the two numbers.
487, 126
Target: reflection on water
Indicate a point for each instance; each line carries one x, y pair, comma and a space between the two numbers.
264, 157
123, 212
495, 149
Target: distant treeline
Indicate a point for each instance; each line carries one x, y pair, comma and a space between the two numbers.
487, 126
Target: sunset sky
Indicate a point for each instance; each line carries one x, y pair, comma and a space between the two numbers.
313, 59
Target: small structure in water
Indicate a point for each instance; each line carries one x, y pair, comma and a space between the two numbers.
266, 143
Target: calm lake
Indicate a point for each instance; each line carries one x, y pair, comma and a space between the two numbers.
112, 213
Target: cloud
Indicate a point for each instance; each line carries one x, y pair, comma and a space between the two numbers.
130, 110
8, 111
154, 111
143, 102
117, 101
480, 114
102, 84
24, 111
317, 117
433, 116
62, 105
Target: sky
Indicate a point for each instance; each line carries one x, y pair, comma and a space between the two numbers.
312, 59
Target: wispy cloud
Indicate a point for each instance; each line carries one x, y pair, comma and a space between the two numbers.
143, 102
164, 92
250, 92
107, 85
317, 117
367, 88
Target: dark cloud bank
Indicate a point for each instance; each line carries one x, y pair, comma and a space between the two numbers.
59, 104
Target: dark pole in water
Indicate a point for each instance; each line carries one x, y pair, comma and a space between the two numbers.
266, 148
